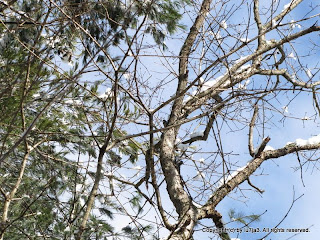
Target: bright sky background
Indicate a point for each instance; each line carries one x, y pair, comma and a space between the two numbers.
278, 178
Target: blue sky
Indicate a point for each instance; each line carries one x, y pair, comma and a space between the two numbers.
279, 178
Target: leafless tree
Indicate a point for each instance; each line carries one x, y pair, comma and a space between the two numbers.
157, 113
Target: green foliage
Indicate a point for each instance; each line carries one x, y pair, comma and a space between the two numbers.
136, 233
107, 212
242, 218
68, 127
111, 22
136, 202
